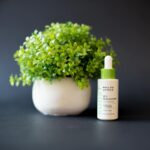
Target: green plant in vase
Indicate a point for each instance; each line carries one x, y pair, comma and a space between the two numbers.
62, 50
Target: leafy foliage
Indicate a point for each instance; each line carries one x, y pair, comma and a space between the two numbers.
61, 50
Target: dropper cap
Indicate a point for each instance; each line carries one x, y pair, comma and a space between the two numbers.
108, 72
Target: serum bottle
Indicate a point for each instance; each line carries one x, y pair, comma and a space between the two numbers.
107, 97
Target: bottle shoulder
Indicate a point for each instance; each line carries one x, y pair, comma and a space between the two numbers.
108, 79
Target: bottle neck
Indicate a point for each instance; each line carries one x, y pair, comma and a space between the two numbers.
108, 73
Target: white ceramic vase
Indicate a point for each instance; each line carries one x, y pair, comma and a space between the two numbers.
60, 97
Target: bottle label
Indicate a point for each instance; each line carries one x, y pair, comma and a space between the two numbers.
107, 104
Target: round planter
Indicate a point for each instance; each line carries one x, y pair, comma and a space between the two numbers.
60, 97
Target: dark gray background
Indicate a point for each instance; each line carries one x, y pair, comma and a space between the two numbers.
126, 22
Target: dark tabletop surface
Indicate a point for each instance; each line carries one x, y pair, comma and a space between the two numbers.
22, 127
